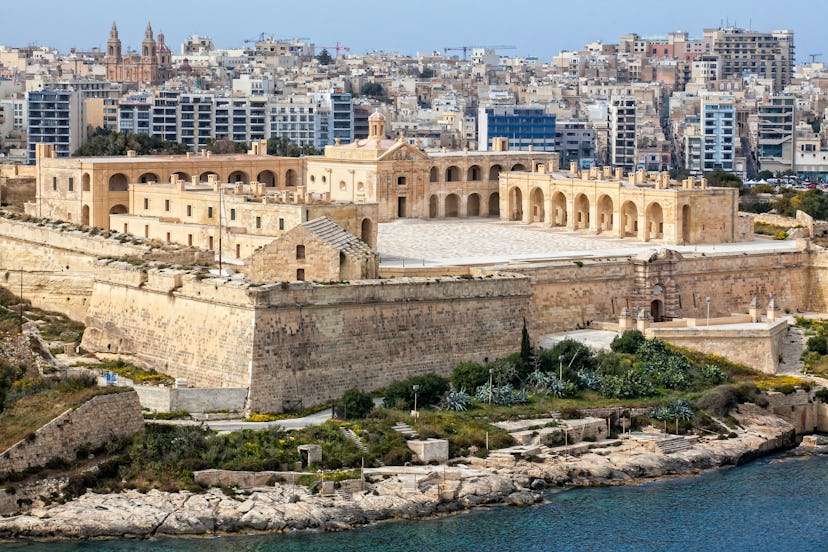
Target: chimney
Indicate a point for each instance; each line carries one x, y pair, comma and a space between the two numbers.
593, 173
130, 153
555, 163
607, 170
573, 169
703, 183
619, 174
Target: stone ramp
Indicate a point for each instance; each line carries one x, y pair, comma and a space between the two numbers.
793, 345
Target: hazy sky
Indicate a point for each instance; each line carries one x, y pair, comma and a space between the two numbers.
540, 27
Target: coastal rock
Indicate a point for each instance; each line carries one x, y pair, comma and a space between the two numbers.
521, 498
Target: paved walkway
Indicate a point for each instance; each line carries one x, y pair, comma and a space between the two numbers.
416, 242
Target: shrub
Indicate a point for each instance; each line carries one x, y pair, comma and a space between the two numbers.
628, 342
354, 404
713, 374
469, 375
720, 401
632, 384
401, 393
576, 357
457, 400
818, 344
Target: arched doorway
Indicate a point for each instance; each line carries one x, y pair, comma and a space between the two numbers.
432, 207
494, 172
519, 167
290, 178
494, 205
118, 183
515, 204
434, 175
205, 176
581, 211
685, 224
367, 232
85, 215
148, 177
629, 220
452, 205
654, 216
453, 174
237, 176
473, 206
86, 183
605, 214
657, 310
536, 205
268, 178
558, 209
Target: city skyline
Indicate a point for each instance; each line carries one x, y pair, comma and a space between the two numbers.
540, 30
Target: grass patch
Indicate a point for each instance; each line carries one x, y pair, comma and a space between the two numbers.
783, 384
135, 373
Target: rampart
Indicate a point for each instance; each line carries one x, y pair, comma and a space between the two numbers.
99, 420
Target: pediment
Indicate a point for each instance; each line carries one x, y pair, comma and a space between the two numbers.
402, 151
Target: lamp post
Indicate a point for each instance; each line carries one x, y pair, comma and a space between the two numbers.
416, 388
560, 367
491, 372
707, 300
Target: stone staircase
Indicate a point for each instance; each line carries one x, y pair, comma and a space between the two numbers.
672, 445
405, 430
793, 345
349, 434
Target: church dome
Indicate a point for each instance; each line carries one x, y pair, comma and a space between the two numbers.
376, 116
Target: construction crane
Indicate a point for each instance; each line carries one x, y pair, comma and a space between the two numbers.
338, 48
814, 56
465, 49
260, 38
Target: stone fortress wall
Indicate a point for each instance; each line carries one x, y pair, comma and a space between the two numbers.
307, 340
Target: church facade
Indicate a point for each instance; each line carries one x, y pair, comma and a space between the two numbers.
152, 65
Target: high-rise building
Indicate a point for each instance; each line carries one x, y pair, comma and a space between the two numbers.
339, 123
718, 132
55, 117
622, 132
741, 51
298, 119
575, 143
775, 133
524, 126
135, 114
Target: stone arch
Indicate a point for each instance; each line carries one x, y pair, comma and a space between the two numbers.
238, 176
452, 205
453, 174
515, 204
473, 174
205, 176
685, 224
605, 214
290, 178
536, 207
367, 232
654, 222
86, 182
559, 214
494, 204
581, 211
433, 209
118, 183
182, 176
494, 172
629, 220
148, 177
473, 205
434, 175
268, 178
85, 215
518, 167
118, 210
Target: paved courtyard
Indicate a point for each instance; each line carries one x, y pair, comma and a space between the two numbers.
415, 242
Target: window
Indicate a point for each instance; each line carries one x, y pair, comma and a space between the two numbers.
190, 240
258, 222
400, 181
146, 203
238, 251
300, 252
281, 223
210, 243
300, 274
232, 214
189, 210
168, 237
54, 183
209, 213
71, 184
166, 204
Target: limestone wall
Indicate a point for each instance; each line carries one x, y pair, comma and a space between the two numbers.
98, 421
799, 408
166, 399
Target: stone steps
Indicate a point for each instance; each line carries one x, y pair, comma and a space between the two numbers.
793, 345
348, 433
672, 445
405, 429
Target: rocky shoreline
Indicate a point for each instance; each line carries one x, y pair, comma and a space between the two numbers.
390, 493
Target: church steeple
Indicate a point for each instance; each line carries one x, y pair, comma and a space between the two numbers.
113, 45
148, 45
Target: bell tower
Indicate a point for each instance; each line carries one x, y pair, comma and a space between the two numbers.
113, 45
376, 126
148, 45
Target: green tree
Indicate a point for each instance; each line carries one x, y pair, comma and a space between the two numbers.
283, 147
105, 143
224, 146
723, 179
324, 57
430, 390
525, 345
469, 375
354, 404
764, 175
373, 90
628, 342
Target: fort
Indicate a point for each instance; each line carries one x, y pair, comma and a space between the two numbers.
308, 309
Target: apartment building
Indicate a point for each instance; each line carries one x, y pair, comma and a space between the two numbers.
527, 126
775, 133
55, 117
740, 51
718, 132
622, 125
